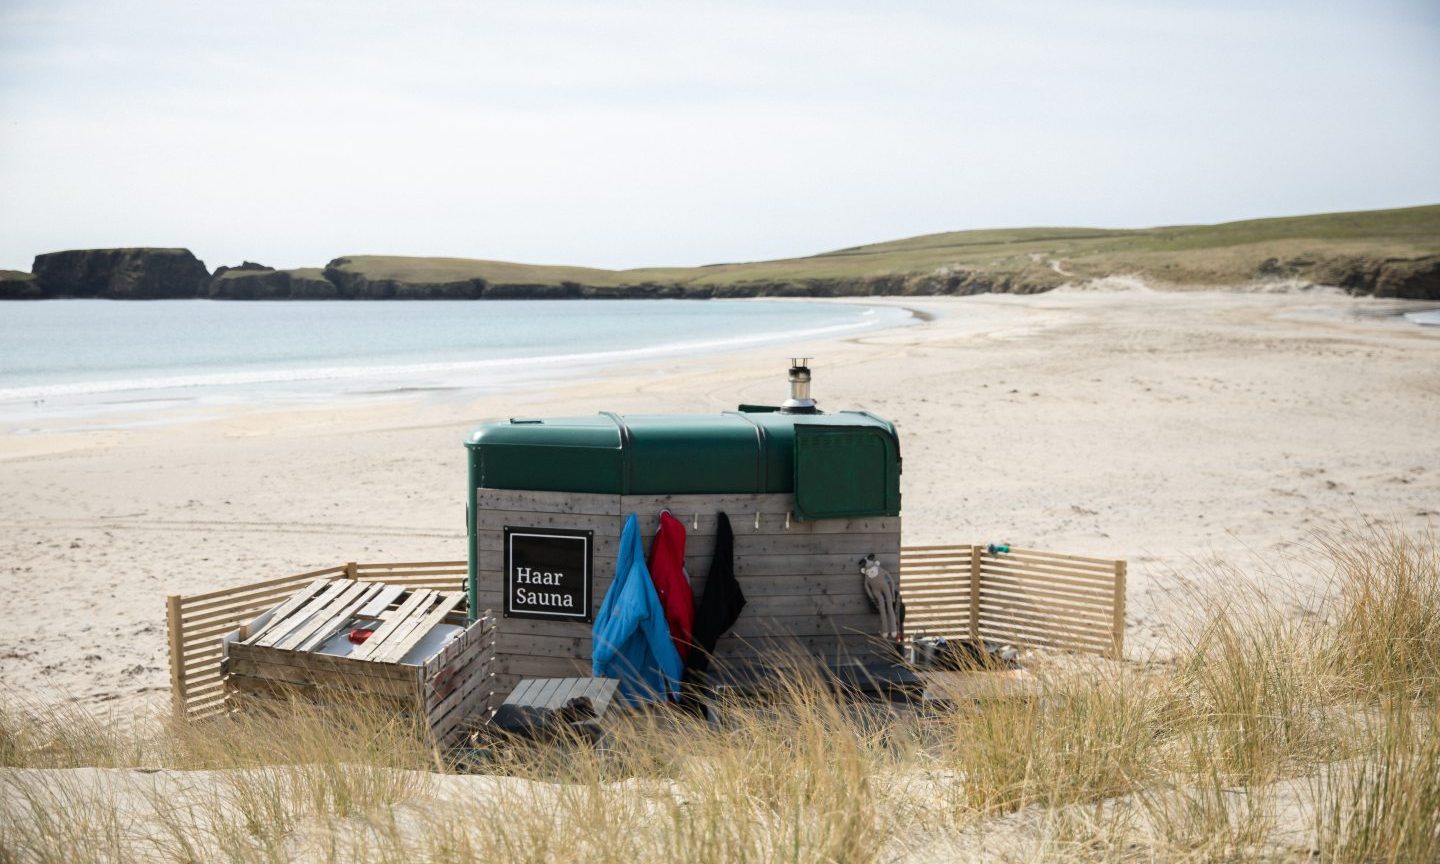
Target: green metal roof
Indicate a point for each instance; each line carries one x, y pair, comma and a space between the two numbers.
838, 465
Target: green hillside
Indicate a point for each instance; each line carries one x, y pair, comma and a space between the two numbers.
1026, 259
1388, 253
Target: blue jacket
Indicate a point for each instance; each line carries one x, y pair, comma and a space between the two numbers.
632, 640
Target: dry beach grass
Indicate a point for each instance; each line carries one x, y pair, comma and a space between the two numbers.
1268, 737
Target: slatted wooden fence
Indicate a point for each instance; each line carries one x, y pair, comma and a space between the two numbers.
1023, 596
198, 623
1020, 596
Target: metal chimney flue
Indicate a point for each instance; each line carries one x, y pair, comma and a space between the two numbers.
799, 401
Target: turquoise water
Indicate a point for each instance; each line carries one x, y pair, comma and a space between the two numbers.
88, 356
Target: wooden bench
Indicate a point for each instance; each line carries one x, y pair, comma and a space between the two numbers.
543, 706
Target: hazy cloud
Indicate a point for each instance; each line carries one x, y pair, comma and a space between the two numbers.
645, 133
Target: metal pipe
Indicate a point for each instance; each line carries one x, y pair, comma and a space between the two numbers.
472, 590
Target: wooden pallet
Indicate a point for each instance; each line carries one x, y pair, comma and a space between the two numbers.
199, 625
278, 655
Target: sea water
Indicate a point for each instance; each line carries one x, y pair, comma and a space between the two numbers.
80, 357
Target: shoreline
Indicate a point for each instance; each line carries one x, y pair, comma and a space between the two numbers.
102, 402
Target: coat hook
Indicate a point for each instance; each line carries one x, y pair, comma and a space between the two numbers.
787, 520
695, 522
757, 520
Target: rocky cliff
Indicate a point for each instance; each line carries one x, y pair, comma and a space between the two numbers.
1401, 278
121, 274
252, 281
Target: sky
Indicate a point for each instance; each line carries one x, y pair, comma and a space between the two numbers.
682, 133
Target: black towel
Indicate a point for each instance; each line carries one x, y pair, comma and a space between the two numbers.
721, 604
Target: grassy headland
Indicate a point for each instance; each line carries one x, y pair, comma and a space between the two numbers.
1391, 253
1354, 250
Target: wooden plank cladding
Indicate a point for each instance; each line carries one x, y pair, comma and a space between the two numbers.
801, 579
1021, 596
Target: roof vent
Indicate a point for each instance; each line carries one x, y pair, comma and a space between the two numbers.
799, 401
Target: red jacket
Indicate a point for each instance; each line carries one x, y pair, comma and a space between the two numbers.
667, 570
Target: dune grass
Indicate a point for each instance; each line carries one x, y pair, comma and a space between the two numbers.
1384, 804
1271, 736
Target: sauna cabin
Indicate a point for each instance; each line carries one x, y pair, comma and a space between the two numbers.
808, 494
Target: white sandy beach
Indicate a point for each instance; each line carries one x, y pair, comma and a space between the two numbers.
1170, 429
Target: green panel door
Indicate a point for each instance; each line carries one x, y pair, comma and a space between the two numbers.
844, 472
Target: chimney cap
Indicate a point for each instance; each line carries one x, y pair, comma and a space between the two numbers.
800, 401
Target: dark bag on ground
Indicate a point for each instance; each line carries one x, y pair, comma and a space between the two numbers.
963, 655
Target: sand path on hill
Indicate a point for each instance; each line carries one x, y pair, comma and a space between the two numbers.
1171, 429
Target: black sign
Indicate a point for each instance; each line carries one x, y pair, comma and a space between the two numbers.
547, 573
